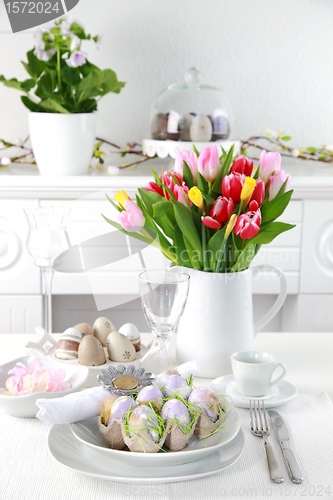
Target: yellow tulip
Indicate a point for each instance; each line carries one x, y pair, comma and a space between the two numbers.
248, 188
121, 197
231, 224
196, 197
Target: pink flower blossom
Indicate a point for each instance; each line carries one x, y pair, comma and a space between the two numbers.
276, 182
131, 219
268, 163
78, 58
191, 159
56, 381
209, 163
180, 192
169, 182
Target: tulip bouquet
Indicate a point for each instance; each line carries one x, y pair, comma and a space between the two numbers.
210, 213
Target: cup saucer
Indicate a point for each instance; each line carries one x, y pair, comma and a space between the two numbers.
286, 392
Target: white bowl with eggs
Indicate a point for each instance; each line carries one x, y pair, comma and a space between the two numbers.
25, 406
91, 352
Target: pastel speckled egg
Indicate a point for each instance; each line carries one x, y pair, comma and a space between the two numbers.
132, 333
101, 329
84, 329
68, 344
201, 129
91, 352
120, 348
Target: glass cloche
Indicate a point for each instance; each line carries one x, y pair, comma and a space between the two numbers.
188, 113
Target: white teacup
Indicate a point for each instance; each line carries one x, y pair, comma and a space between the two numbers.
253, 372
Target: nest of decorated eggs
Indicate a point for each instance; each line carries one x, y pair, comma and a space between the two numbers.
161, 416
91, 346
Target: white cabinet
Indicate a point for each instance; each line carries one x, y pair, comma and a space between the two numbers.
18, 273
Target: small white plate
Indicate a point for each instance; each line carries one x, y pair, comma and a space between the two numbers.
73, 454
88, 433
286, 392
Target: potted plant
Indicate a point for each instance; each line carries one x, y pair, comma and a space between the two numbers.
62, 93
211, 215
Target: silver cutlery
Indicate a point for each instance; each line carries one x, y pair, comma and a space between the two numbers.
260, 428
282, 435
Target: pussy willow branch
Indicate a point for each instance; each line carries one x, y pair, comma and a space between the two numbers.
322, 155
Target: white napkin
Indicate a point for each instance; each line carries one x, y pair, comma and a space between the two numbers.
231, 390
87, 404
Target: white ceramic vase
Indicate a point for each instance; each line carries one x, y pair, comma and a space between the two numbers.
218, 318
62, 143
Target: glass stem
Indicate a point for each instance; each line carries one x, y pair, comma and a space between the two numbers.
47, 273
163, 344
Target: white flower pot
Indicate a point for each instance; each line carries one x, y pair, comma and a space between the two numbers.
63, 144
218, 318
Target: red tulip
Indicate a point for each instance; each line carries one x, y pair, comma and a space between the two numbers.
210, 222
152, 186
169, 182
253, 206
248, 225
259, 192
222, 209
242, 165
232, 186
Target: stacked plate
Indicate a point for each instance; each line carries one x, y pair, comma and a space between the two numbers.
81, 447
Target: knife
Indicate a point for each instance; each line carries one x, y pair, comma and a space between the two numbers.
282, 435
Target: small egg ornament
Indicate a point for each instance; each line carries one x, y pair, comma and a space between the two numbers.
201, 129
150, 393
91, 352
175, 413
114, 411
68, 344
132, 333
186, 125
145, 430
221, 128
209, 409
158, 126
120, 348
84, 329
175, 385
101, 329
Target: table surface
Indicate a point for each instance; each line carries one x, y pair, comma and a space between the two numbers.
28, 471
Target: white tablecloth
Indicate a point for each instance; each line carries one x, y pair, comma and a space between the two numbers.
28, 471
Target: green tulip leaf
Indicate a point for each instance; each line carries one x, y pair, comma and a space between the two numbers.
273, 209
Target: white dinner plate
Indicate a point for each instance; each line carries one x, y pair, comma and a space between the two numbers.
73, 454
287, 391
87, 431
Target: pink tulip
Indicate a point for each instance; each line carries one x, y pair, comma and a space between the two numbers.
248, 225
259, 192
276, 182
152, 186
131, 219
242, 165
232, 186
169, 182
268, 163
253, 206
222, 209
209, 163
180, 192
191, 159
210, 222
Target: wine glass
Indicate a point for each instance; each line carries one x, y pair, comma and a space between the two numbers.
163, 298
47, 239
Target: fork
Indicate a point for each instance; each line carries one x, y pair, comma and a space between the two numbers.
260, 428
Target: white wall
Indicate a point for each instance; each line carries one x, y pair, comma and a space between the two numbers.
273, 58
